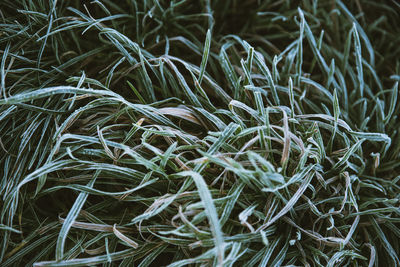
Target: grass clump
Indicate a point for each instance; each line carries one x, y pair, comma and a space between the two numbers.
148, 133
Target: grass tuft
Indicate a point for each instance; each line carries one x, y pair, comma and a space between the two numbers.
218, 133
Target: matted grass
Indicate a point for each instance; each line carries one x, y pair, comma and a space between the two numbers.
201, 133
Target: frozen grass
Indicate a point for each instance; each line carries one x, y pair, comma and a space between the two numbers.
152, 133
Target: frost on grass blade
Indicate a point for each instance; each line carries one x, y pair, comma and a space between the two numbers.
222, 133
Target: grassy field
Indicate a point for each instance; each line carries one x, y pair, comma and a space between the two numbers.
199, 133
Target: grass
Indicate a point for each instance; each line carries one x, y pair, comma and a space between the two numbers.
226, 133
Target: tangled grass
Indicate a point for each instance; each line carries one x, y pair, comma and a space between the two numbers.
226, 133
